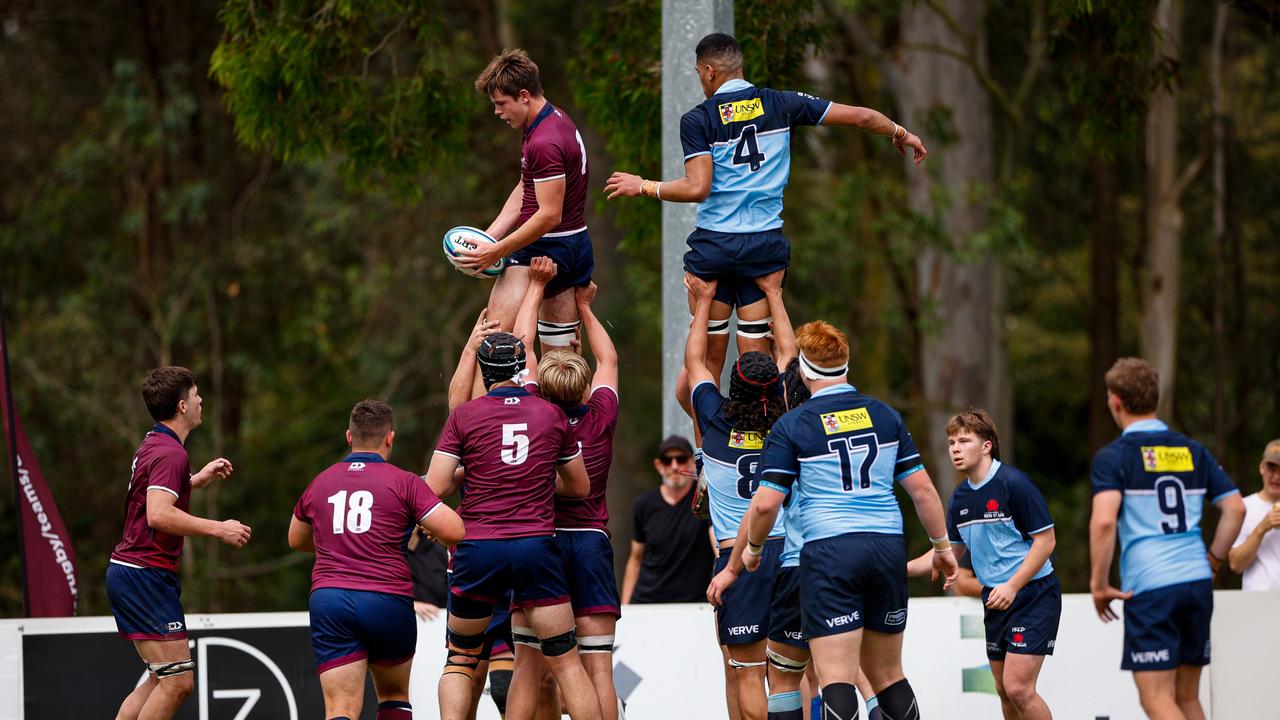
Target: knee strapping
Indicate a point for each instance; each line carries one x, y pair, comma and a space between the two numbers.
784, 663
755, 329
718, 327
525, 636
464, 653
499, 685
595, 644
839, 702
560, 644
898, 702
738, 665
169, 669
557, 334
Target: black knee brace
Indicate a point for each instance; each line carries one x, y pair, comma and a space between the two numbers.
560, 644
898, 702
499, 684
839, 702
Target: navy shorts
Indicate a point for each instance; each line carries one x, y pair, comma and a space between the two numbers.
784, 612
497, 637
531, 568
744, 616
735, 260
1030, 625
574, 258
352, 625
853, 581
144, 602
588, 568
1167, 627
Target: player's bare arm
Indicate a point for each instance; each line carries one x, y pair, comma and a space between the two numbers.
444, 525
1102, 547
460, 386
572, 480
300, 535
1042, 545
1232, 509
784, 336
694, 187
923, 564
732, 569
550, 196
541, 272
164, 515
695, 348
876, 123
598, 339
929, 509
508, 216
761, 516
440, 476
219, 469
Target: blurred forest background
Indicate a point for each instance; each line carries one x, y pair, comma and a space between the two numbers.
256, 189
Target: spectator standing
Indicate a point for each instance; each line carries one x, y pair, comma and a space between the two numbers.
1256, 552
671, 553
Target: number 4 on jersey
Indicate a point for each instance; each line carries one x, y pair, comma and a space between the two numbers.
747, 151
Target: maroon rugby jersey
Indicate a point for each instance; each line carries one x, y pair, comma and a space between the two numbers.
359, 510
552, 150
161, 463
509, 444
593, 425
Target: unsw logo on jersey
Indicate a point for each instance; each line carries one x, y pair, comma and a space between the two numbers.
746, 439
741, 110
1162, 458
846, 420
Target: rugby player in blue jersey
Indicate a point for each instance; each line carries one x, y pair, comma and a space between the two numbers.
737, 158
840, 454
1153, 482
1003, 522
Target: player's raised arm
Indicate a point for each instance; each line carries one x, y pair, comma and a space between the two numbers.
876, 123
464, 375
784, 336
541, 271
164, 515
598, 340
694, 187
695, 349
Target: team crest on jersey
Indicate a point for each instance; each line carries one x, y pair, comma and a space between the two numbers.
741, 110
1162, 458
846, 420
746, 440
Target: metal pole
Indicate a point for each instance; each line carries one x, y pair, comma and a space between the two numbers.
684, 23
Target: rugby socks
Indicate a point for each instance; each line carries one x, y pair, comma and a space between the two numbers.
786, 706
839, 702
898, 702
873, 709
395, 710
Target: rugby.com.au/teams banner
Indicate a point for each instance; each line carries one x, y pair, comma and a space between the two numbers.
48, 563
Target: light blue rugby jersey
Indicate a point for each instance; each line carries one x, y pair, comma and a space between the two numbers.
729, 459
995, 520
840, 453
1165, 477
747, 132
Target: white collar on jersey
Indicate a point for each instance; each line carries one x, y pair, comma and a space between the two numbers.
733, 85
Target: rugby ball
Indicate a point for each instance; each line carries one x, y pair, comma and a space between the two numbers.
470, 238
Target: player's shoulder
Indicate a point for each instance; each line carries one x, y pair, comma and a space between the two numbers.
1011, 475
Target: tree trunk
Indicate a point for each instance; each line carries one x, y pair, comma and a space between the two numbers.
1162, 258
1220, 369
959, 297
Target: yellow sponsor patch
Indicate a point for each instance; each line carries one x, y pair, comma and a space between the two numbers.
1163, 458
846, 420
746, 440
741, 111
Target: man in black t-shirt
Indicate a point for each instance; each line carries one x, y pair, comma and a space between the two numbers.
671, 551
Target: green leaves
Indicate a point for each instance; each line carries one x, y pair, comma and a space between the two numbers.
365, 81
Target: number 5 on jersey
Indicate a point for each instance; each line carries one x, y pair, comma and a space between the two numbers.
515, 443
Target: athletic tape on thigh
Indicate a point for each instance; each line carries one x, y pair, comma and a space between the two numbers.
557, 334
737, 665
560, 644
595, 644
784, 663
755, 329
525, 636
463, 653
169, 669
718, 327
